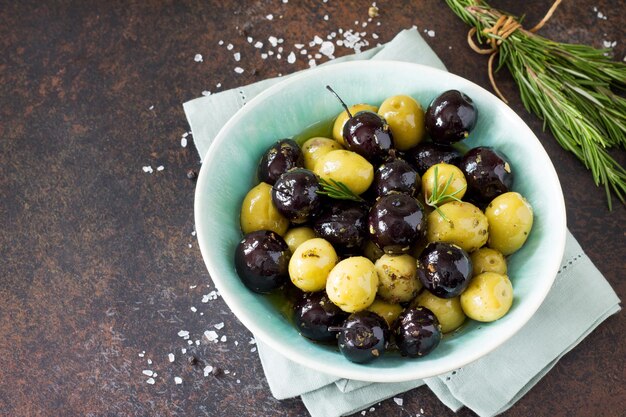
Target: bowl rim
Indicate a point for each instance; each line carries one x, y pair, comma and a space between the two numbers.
363, 373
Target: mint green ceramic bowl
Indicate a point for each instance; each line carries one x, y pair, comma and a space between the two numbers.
300, 101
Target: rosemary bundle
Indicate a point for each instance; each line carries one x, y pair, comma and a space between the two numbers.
568, 86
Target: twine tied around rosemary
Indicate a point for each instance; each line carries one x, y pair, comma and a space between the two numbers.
502, 29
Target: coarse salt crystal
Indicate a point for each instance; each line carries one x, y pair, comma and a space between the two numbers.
431, 33
253, 350
147, 372
149, 361
197, 343
270, 17
147, 169
141, 354
264, 56
291, 58
171, 357
279, 56
398, 401
363, 412
207, 370
151, 107
150, 381
211, 335
280, 49
298, 45
183, 142
193, 309
249, 39
238, 70
218, 85
372, 410
206, 93
258, 45
229, 46
237, 56
184, 334
273, 41
312, 63
178, 380
236, 343
226, 372
317, 40
327, 48
198, 58
239, 381
190, 342
318, 56
191, 287
303, 52
220, 42
219, 326
160, 168
183, 351
374, 35
325, 17
223, 338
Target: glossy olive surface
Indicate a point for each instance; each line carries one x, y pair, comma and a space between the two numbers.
417, 332
488, 174
450, 117
278, 159
395, 222
295, 195
314, 313
369, 135
262, 261
427, 154
364, 337
396, 175
444, 269
343, 224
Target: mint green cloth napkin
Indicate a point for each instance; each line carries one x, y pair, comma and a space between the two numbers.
579, 301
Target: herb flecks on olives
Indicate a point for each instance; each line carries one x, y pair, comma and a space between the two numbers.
450, 117
417, 332
488, 173
262, 261
427, 154
343, 224
396, 175
363, 337
444, 269
314, 313
311, 263
295, 195
278, 159
395, 222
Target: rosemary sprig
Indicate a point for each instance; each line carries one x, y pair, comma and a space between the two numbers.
440, 196
569, 87
337, 190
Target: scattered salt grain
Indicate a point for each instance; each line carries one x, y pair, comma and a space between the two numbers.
184, 334
253, 350
183, 351
249, 39
318, 56
363, 412
239, 381
299, 45
207, 370
223, 338
226, 372
220, 43
236, 343
218, 85
170, 357
398, 401
229, 46
193, 309
252, 341
374, 35
160, 168
150, 381
219, 326
317, 40
327, 48
183, 142
291, 58
258, 45
312, 63
431, 33
273, 41
325, 17
280, 49
147, 372
191, 287
149, 361
151, 108
238, 70
190, 342
147, 169
237, 56
178, 380
303, 52
141, 354
211, 335
198, 58
372, 410
264, 56
270, 17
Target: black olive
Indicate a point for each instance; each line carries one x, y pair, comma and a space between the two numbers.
444, 269
314, 313
450, 117
343, 224
295, 195
395, 222
278, 159
368, 134
427, 154
262, 261
396, 175
363, 337
417, 332
488, 174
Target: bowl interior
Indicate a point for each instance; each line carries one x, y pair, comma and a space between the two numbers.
285, 110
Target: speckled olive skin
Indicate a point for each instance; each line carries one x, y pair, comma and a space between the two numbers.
262, 261
396, 175
314, 313
417, 332
427, 154
295, 195
278, 159
368, 134
365, 337
343, 224
450, 117
444, 269
488, 173
395, 222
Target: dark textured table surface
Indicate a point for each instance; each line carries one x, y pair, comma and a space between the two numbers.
99, 268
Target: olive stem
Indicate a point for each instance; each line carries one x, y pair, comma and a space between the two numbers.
340, 100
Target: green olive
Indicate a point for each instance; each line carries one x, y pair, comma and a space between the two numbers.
488, 297
448, 310
347, 167
487, 260
343, 118
386, 310
464, 225
405, 117
352, 284
298, 235
314, 148
311, 263
397, 278
445, 172
258, 212
510, 219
